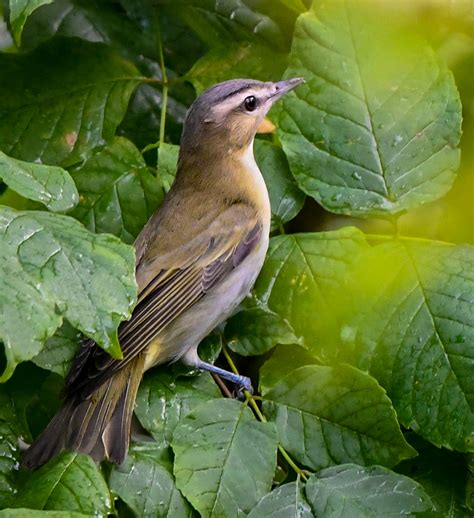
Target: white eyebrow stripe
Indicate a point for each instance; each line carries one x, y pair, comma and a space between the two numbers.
233, 101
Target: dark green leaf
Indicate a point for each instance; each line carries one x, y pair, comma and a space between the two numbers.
255, 331
416, 333
118, 193
19, 12
299, 274
34, 513
59, 350
163, 400
286, 501
236, 61
333, 415
259, 21
50, 487
442, 475
50, 185
145, 483
53, 267
375, 129
224, 458
351, 491
284, 359
62, 100
286, 198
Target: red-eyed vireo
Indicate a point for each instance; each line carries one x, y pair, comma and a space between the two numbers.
197, 258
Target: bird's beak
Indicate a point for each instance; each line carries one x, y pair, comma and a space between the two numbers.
282, 87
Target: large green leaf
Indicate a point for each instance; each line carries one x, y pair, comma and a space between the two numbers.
286, 501
51, 486
118, 193
236, 61
224, 458
260, 21
286, 198
375, 129
62, 100
51, 268
442, 475
19, 12
34, 513
334, 415
255, 331
144, 481
163, 400
50, 185
299, 274
416, 334
351, 491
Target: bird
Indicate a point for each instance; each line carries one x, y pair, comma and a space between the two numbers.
197, 258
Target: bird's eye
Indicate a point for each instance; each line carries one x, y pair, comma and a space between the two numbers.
250, 103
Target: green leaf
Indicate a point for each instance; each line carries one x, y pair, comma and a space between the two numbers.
375, 129
50, 185
255, 331
235, 61
334, 415
442, 475
163, 400
145, 483
118, 193
284, 359
351, 491
283, 502
416, 334
19, 12
259, 21
62, 100
34, 513
50, 487
167, 164
286, 198
224, 458
60, 350
300, 273
52, 267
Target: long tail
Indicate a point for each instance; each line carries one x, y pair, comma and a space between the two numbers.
98, 426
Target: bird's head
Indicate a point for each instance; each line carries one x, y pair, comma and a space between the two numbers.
226, 116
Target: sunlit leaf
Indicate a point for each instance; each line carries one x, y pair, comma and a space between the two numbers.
416, 334
50, 486
334, 415
50, 185
283, 502
351, 491
167, 164
144, 481
300, 272
375, 129
62, 100
224, 458
51, 268
19, 12
118, 193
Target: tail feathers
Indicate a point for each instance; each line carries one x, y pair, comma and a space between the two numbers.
98, 426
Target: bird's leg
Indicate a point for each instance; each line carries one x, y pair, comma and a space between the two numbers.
242, 381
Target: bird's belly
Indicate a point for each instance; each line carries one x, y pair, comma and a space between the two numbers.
181, 338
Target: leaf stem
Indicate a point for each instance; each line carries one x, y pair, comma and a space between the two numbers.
251, 401
164, 80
